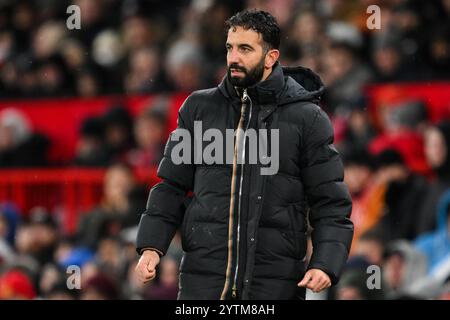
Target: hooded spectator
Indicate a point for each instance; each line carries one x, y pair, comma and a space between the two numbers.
358, 130
402, 197
437, 146
345, 76
371, 246
404, 266
38, 237
436, 245
118, 137
353, 282
90, 149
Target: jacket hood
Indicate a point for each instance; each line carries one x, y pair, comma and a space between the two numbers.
284, 85
307, 87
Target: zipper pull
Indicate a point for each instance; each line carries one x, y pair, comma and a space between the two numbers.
245, 96
234, 292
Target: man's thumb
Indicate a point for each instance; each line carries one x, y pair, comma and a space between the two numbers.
305, 280
151, 264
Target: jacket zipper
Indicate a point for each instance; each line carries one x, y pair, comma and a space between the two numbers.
234, 292
245, 97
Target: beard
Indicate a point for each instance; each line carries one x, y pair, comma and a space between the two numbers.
251, 77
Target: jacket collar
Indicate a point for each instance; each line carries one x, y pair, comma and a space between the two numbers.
263, 93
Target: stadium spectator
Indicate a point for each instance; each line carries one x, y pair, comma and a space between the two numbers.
403, 268
437, 146
150, 134
19, 146
90, 148
117, 210
436, 245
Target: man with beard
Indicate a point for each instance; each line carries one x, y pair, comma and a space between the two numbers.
244, 233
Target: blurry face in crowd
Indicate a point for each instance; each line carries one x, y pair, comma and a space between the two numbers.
23, 17
91, 11
46, 235
393, 271
145, 61
248, 59
32, 238
118, 184
387, 60
338, 62
435, 148
137, 33
116, 135
109, 253
47, 38
74, 54
87, 85
440, 50
307, 27
372, 250
50, 77
148, 132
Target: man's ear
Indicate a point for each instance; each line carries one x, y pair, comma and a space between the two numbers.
271, 57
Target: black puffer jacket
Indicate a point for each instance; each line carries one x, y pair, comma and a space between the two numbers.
266, 261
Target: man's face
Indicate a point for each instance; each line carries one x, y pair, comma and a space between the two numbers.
435, 148
245, 57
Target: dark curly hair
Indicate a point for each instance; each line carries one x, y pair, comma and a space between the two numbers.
259, 21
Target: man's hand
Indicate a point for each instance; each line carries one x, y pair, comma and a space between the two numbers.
315, 280
146, 267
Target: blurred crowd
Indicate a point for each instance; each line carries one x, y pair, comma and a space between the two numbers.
133, 46
397, 170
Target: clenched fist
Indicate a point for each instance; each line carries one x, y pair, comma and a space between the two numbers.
146, 267
315, 280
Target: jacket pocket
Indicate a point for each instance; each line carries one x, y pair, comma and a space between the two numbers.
298, 229
186, 225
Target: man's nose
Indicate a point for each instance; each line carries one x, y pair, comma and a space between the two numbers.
233, 57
